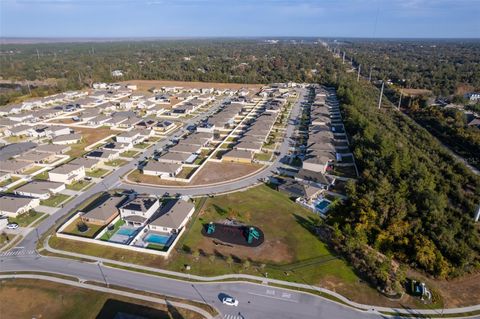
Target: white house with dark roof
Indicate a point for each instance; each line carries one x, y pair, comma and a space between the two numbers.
138, 211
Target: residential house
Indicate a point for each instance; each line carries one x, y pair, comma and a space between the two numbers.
105, 211
173, 217
161, 169
13, 206
15, 167
67, 139
138, 211
67, 173
40, 189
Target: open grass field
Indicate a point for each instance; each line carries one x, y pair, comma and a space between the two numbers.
44, 299
26, 219
286, 225
55, 200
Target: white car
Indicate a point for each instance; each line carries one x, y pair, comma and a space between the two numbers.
12, 226
229, 301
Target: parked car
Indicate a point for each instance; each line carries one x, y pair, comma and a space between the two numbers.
229, 301
12, 226
87, 178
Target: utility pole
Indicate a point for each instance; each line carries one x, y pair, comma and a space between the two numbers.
400, 100
38, 55
343, 59
380, 98
358, 74
370, 75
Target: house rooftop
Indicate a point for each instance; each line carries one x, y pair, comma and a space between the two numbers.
106, 208
140, 204
175, 214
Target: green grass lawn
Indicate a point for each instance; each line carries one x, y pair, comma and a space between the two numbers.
129, 154
55, 201
109, 233
32, 170
26, 219
344, 171
91, 232
263, 156
78, 185
143, 145
115, 163
41, 176
98, 172
283, 222
9, 181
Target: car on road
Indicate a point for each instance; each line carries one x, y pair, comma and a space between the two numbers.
229, 301
12, 226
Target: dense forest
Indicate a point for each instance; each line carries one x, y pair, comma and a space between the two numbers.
239, 61
446, 67
413, 202
450, 126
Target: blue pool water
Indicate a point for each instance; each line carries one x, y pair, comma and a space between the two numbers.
322, 205
157, 239
126, 231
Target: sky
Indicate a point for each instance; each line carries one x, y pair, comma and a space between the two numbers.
240, 18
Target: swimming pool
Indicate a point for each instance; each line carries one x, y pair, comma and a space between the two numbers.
126, 231
157, 239
322, 205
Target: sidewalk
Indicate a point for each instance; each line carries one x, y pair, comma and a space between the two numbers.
286, 284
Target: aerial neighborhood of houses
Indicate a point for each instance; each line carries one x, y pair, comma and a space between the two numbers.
124, 147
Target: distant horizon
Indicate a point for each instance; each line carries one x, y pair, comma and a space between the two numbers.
80, 39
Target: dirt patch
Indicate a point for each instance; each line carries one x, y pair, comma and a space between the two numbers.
214, 172
62, 121
458, 292
415, 92
271, 251
144, 85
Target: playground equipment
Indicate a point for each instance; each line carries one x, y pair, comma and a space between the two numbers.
211, 228
420, 289
252, 234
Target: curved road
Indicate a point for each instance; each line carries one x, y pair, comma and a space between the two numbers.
256, 301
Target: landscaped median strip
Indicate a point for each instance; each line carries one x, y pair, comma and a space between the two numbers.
99, 288
318, 291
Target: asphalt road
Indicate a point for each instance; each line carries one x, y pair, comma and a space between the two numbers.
255, 301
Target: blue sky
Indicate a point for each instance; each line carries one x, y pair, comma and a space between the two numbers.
191, 18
